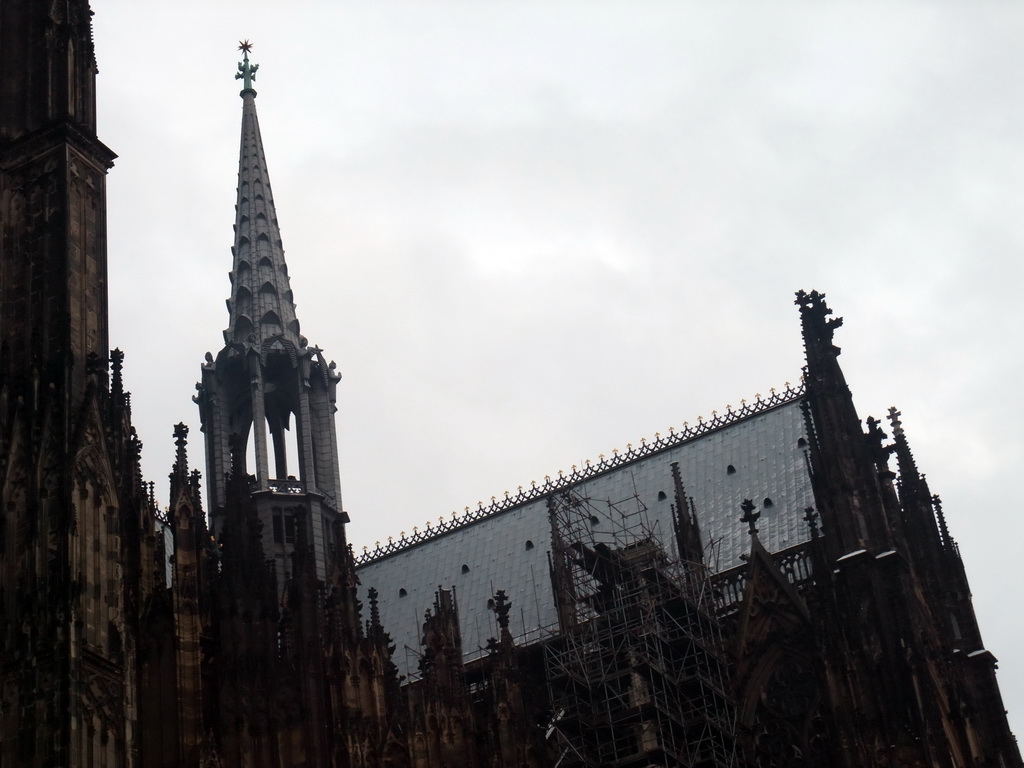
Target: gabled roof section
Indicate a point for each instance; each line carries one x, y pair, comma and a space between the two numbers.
260, 305
661, 445
756, 452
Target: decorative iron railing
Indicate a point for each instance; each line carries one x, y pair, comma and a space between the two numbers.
578, 474
794, 562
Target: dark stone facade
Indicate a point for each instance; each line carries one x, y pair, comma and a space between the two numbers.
132, 636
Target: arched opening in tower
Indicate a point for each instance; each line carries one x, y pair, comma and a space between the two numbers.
285, 445
281, 404
252, 465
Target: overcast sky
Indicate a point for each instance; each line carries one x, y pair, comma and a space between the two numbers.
533, 232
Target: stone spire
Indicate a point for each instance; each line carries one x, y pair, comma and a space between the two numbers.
53, 246
179, 473
267, 387
844, 471
687, 530
260, 307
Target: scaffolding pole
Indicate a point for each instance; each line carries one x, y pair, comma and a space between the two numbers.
635, 675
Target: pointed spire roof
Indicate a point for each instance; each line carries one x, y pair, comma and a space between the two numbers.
179, 472
687, 527
261, 307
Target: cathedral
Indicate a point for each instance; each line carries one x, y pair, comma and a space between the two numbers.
776, 586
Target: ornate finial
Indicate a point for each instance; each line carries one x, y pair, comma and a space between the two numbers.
501, 607
246, 71
180, 437
749, 515
894, 419
116, 364
815, 315
372, 596
812, 521
179, 475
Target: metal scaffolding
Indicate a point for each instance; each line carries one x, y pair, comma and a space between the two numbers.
635, 675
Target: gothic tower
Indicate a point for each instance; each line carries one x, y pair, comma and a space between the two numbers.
76, 542
54, 169
287, 673
268, 379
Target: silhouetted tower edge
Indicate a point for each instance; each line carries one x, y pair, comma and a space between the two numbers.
268, 379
